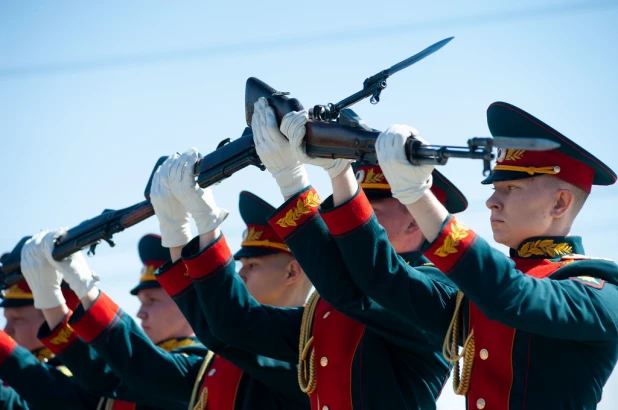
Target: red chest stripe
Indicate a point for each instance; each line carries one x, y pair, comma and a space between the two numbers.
123, 405
492, 372
335, 340
222, 380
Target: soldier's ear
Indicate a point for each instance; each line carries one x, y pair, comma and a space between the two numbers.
294, 272
412, 227
563, 202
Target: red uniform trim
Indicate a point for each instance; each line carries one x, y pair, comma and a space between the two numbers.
450, 245
222, 380
295, 212
176, 279
61, 337
336, 338
123, 405
349, 216
492, 378
103, 314
7, 346
211, 260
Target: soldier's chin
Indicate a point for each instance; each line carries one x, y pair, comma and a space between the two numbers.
499, 236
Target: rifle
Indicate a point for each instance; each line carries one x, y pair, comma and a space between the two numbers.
228, 158
335, 131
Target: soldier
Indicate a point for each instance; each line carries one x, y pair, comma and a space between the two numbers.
236, 378
115, 358
30, 369
352, 353
538, 328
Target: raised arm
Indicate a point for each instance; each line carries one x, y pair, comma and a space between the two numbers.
232, 315
279, 376
580, 300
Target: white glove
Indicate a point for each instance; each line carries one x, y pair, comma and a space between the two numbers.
42, 277
74, 269
172, 215
199, 202
408, 182
275, 151
293, 127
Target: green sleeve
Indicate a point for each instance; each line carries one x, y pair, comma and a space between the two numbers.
556, 307
10, 400
423, 296
135, 360
278, 375
41, 385
321, 258
234, 317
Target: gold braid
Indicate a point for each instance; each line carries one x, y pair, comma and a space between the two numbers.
461, 383
201, 403
306, 371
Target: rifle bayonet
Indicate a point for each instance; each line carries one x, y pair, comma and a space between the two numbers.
372, 86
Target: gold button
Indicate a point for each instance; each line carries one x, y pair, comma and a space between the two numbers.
484, 354
326, 315
480, 404
323, 361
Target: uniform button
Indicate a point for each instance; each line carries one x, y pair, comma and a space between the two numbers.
323, 361
325, 408
484, 354
480, 404
212, 371
326, 315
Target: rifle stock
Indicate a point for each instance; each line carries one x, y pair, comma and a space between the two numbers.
324, 139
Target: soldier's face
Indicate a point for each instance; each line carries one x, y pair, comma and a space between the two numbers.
521, 209
161, 318
396, 221
22, 324
266, 277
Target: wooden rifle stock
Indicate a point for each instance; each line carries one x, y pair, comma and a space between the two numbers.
323, 139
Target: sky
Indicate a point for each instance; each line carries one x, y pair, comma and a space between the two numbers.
91, 94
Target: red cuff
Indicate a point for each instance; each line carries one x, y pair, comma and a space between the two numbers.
211, 260
101, 316
349, 216
176, 279
451, 245
62, 336
7, 346
295, 212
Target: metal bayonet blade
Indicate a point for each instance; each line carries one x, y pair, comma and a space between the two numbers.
418, 57
527, 143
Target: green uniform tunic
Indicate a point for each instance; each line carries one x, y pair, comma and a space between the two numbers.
41, 384
365, 356
236, 379
10, 400
543, 319
114, 358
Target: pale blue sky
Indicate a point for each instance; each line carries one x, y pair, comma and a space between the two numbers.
92, 94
